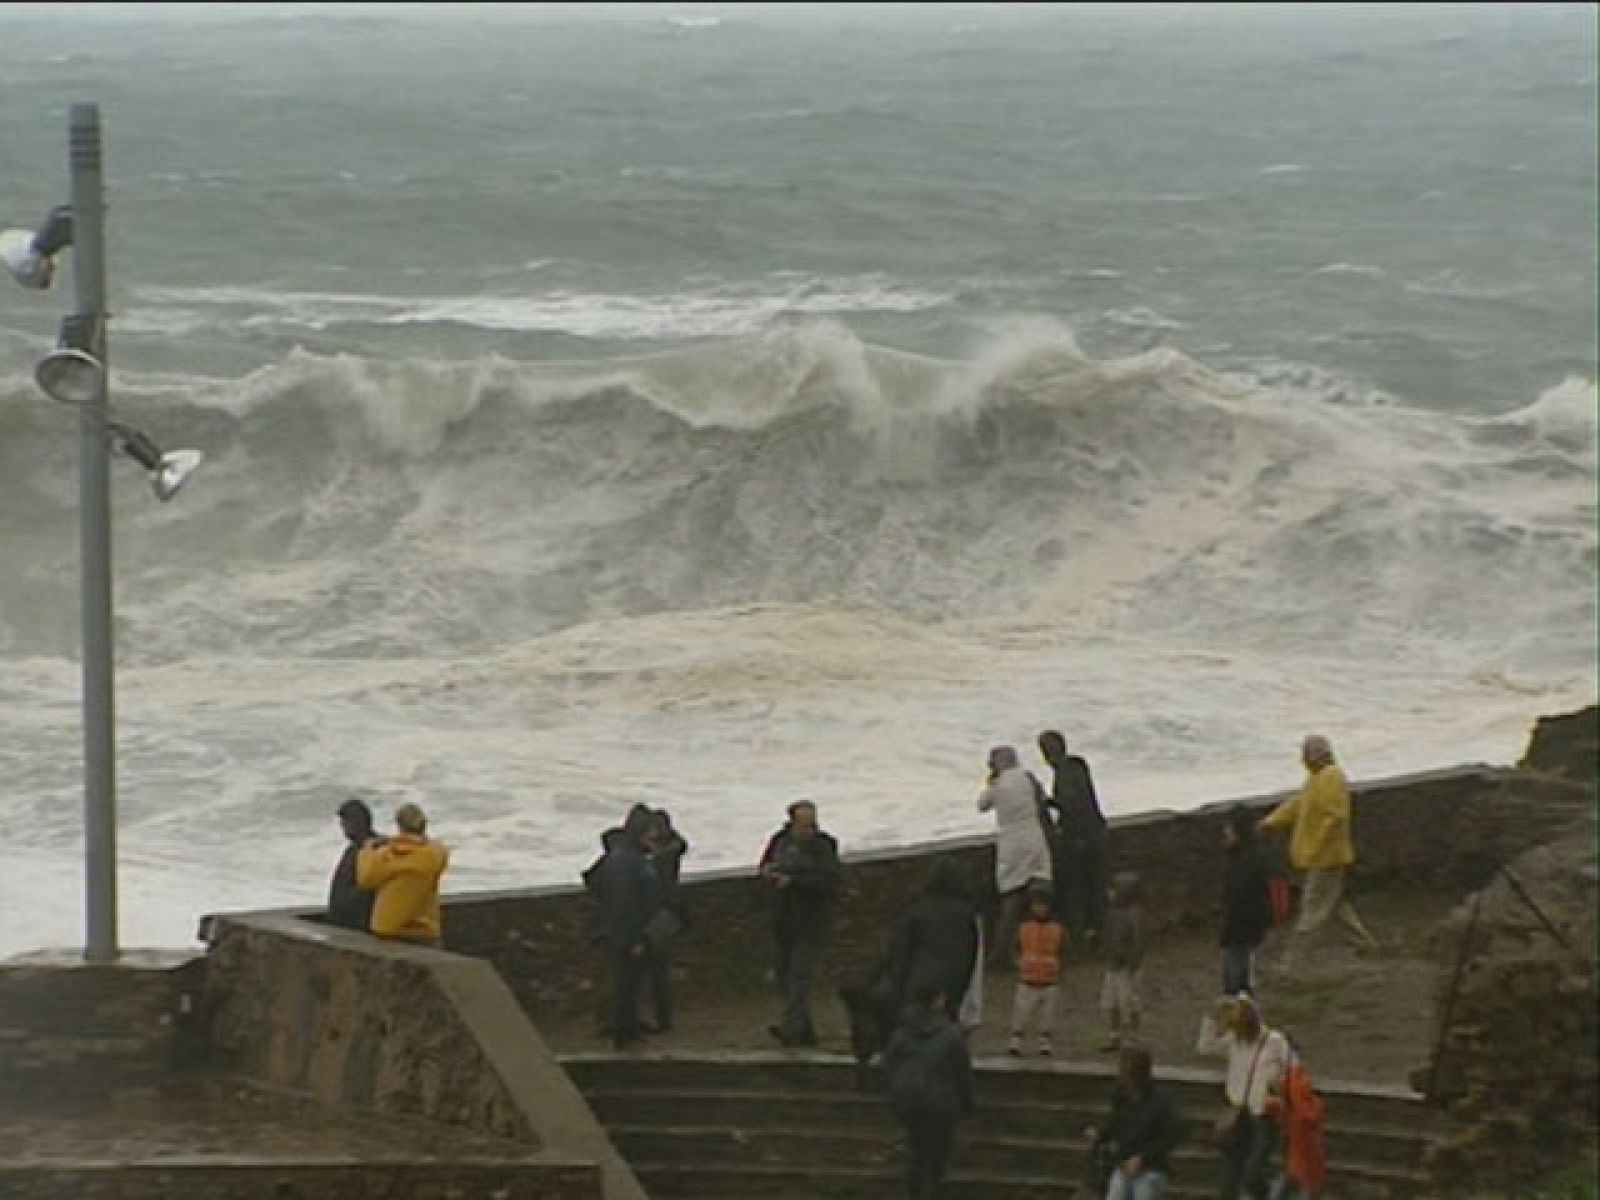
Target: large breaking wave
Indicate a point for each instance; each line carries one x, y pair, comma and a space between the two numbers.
353, 507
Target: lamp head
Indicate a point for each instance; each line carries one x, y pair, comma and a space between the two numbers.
174, 471
70, 376
29, 258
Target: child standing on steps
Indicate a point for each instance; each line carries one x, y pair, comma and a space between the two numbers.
1039, 941
1124, 949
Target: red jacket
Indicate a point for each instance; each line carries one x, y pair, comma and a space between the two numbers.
1300, 1114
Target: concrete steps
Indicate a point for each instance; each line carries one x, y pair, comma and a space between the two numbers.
785, 1126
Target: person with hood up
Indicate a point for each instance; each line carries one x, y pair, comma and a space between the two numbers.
627, 892
1320, 845
1022, 853
929, 1073
937, 941
1246, 903
348, 905
404, 872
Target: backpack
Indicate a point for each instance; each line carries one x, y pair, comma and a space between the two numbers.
1278, 898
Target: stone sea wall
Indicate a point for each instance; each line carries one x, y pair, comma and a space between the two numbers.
1446, 830
354, 1023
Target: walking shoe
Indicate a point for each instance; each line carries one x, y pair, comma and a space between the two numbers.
1046, 1050
1015, 1048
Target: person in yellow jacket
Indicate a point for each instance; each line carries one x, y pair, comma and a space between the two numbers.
1319, 844
404, 872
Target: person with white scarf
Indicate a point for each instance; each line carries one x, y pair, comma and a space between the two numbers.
1021, 852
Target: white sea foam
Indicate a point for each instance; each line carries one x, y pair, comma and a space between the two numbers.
711, 311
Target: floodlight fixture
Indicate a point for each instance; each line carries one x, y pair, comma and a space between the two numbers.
70, 376
169, 470
30, 257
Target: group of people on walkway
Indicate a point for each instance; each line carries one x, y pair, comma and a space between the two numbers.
1054, 898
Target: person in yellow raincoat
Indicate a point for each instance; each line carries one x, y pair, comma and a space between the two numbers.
1318, 817
404, 872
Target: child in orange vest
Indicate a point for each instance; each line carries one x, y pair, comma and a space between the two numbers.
1039, 941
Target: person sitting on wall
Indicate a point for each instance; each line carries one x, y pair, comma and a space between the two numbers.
801, 866
348, 905
404, 872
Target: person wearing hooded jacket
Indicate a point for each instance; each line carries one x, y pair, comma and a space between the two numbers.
1246, 904
929, 1073
937, 941
628, 893
404, 874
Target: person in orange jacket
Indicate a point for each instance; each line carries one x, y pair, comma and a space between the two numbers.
404, 871
1039, 941
1300, 1114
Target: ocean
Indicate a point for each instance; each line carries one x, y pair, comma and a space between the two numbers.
717, 406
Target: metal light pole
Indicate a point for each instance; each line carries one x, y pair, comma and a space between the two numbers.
94, 541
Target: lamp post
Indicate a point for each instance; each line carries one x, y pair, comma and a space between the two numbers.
94, 544
76, 374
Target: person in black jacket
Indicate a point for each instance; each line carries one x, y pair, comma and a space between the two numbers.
627, 892
801, 866
666, 848
929, 1073
1080, 873
937, 941
349, 905
1133, 1149
1246, 902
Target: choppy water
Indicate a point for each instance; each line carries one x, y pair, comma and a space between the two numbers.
713, 406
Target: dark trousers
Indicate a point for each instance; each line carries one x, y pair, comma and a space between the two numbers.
1236, 970
626, 971
1013, 905
797, 963
658, 969
1081, 885
929, 1140
1246, 1156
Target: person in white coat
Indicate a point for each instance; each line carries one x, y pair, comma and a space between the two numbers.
1021, 852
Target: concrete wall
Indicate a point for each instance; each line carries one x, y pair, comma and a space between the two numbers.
353, 1022
70, 1030
1445, 830
209, 1179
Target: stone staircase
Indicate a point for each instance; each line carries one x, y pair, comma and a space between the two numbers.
776, 1126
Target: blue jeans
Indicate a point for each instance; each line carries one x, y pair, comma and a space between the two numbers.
1147, 1185
1238, 973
